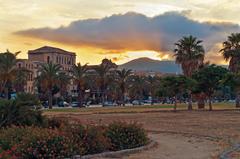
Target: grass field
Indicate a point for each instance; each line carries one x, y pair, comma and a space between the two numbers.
137, 109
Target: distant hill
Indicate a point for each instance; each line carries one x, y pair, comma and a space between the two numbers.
147, 64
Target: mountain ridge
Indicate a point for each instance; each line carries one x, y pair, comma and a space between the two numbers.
148, 64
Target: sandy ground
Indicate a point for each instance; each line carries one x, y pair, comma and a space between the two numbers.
173, 146
177, 146
181, 135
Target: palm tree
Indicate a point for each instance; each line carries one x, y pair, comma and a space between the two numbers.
79, 73
231, 51
21, 79
48, 78
137, 87
122, 76
189, 54
8, 70
103, 71
63, 81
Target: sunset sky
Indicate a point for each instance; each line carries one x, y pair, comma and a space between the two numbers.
118, 29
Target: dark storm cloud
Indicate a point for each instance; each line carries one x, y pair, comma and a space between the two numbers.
133, 31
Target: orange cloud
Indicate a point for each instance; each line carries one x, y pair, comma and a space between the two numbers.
134, 32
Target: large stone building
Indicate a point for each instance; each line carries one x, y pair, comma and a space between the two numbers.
46, 54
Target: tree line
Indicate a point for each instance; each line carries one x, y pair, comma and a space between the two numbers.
200, 81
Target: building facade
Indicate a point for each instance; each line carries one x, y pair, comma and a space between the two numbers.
43, 55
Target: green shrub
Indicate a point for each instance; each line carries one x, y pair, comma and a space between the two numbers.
21, 111
125, 136
28, 99
15, 113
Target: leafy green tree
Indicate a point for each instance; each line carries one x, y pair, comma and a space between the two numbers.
49, 76
79, 73
209, 79
233, 81
21, 79
8, 71
189, 53
174, 86
231, 51
122, 76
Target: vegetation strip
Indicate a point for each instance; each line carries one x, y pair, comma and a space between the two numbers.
115, 154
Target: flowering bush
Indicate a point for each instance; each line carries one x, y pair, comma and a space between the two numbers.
32, 142
92, 139
68, 140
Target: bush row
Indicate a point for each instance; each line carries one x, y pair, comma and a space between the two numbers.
66, 140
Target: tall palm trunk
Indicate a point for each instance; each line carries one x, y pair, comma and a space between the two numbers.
152, 94
80, 103
103, 97
80, 99
50, 98
103, 92
123, 94
210, 103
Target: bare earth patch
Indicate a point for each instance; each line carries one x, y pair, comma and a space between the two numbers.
187, 135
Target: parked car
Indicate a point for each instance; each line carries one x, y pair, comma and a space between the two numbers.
74, 104
137, 102
148, 101
63, 104
45, 104
109, 103
87, 103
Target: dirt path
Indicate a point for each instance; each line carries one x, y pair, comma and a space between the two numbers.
173, 146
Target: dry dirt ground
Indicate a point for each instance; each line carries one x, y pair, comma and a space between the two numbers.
180, 135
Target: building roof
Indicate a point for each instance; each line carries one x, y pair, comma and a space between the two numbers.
49, 49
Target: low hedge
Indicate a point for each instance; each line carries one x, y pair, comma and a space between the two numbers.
68, 140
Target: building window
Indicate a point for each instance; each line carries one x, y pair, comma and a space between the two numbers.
19, 65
